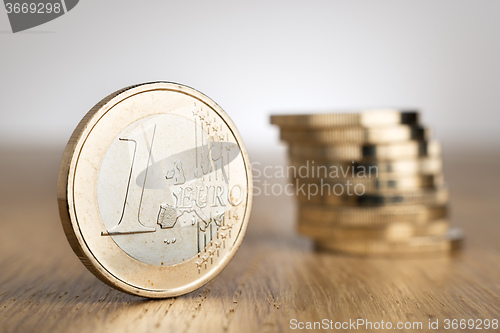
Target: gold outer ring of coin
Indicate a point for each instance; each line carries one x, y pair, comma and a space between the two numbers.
377, 135
451, 242
376, 199
395, 231
137, 278
408, 166
378, 183
353, 152
367, 118
370, 216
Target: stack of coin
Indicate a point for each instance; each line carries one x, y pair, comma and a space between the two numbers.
368, 183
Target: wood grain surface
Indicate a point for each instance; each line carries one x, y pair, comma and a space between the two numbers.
275, 276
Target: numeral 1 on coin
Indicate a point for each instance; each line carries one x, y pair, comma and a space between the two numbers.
130, 222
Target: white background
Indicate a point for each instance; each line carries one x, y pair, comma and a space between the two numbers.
259, 57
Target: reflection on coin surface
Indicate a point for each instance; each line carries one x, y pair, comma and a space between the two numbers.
155, 190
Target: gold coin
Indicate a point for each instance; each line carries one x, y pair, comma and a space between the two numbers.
395, 231
338, 135
367, 118
155, 190
416, 245
353, 152
324, 215
300, 167
378, 183
349, 196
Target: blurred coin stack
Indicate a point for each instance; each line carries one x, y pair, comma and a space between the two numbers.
368, 183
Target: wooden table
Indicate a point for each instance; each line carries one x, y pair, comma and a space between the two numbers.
274, 278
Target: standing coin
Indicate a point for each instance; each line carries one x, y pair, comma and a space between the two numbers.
155, 190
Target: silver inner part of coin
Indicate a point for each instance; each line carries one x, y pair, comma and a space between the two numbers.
168, 183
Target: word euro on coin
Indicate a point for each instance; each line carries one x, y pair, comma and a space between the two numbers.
155, 190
